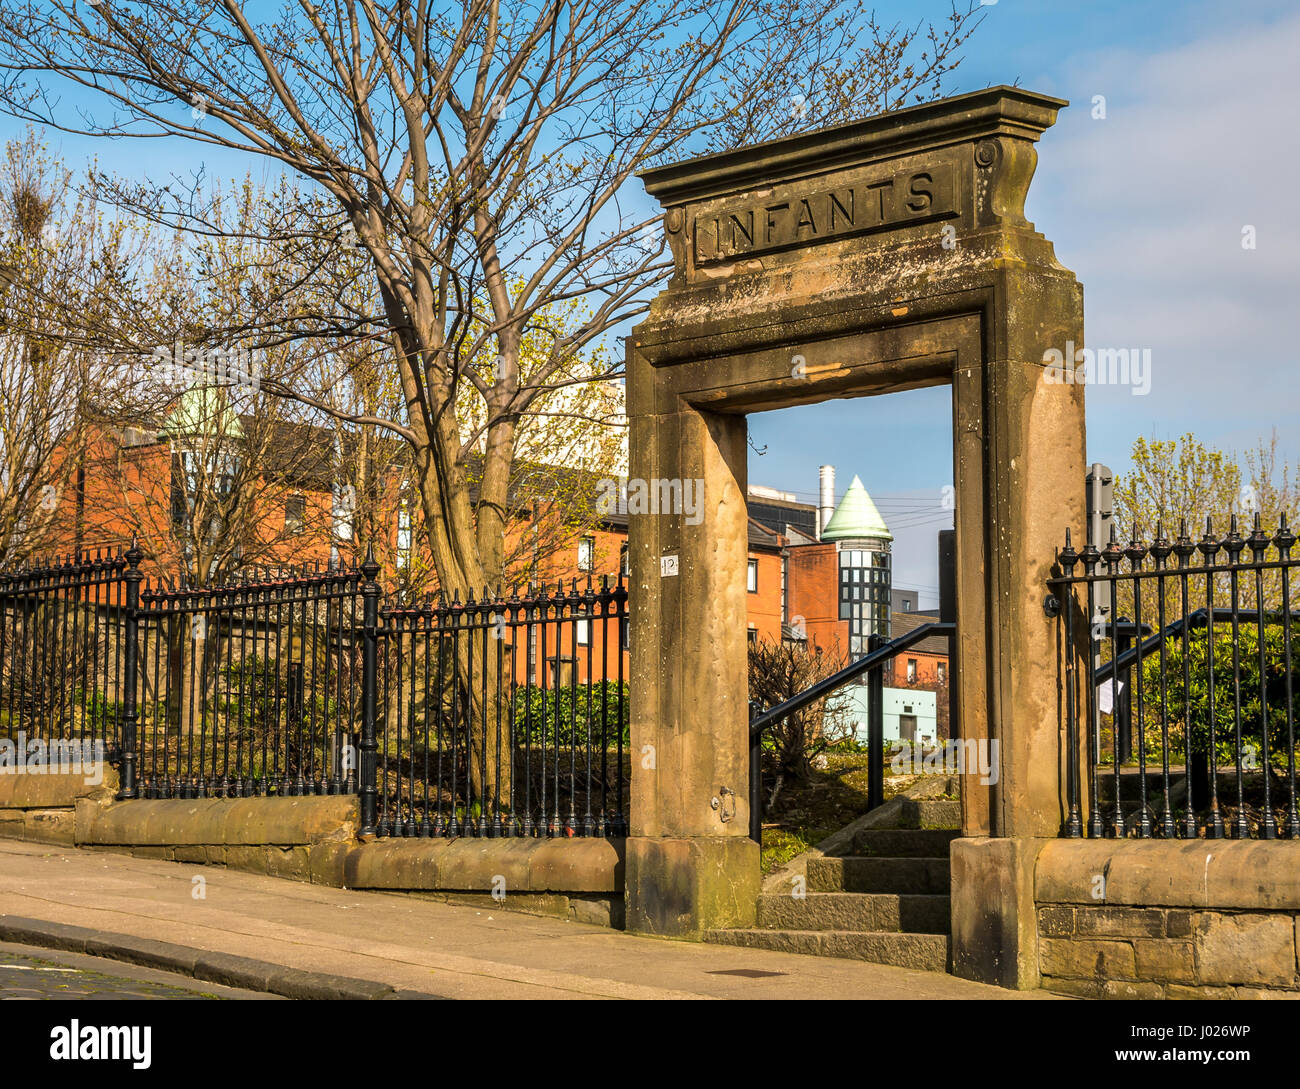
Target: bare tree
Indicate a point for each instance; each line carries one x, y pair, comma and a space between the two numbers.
480, 154
48, 243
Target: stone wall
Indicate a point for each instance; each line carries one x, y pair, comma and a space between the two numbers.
314, 839
42, 807
1199, 919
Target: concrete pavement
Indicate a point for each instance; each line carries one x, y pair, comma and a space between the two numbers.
418, 945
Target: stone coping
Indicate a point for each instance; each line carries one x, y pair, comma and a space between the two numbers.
1247, 875
217, 821
52, 790
511, 865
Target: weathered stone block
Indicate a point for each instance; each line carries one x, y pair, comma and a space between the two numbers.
1199, 994
994, 924
1087, 959
597, 911
291, 862
203, 821
1245, 948
192, 854
587, 865
165, 854
680, 887
327, 863
1166, 961
1118, 988
1079, 988
1056, 921
1267, 993
51, 826
1248, 875
1120, 922
251, 859
1178, 924
57, 790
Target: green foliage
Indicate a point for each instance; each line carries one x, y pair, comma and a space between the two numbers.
101, 712
561, 715
1191, 709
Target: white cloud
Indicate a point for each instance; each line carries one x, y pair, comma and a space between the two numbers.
1147, 208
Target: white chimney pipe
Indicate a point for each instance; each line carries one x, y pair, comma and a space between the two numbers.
826, 504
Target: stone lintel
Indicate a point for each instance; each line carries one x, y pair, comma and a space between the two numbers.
994, 111
941, 175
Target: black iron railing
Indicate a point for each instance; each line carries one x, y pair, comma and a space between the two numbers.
879, 654
64, 649
250, 688
501, 716
1179, 716
505, 715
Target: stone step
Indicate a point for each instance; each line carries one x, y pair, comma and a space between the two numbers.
924, 914
904, 842
896, 875
920, 952
930, 813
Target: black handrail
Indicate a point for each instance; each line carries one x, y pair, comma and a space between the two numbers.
872, 661
850, 672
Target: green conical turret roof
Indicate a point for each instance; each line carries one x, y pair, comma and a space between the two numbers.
856, 516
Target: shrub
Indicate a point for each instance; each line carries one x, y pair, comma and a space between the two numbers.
560, 716
1190, 708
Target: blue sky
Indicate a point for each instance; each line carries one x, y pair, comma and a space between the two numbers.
1146, 207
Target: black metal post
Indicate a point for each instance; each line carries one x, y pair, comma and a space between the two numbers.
755, 776
1124, 699
948, 615
367, 780
130, 671
875, 729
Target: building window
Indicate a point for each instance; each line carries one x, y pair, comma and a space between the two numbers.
626, 640
941, 672
911, 671
586, 553
753, 635
864, 596
295, 513
582, 632
751, 577
623, 560
907, 604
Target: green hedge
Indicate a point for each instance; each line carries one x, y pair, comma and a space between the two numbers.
1191, 710
538, 711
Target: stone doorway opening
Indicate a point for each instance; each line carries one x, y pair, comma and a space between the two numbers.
885, 255
846, 499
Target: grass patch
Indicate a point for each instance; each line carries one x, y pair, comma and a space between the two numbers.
806, 813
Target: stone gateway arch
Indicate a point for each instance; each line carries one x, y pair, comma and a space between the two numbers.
883, 255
